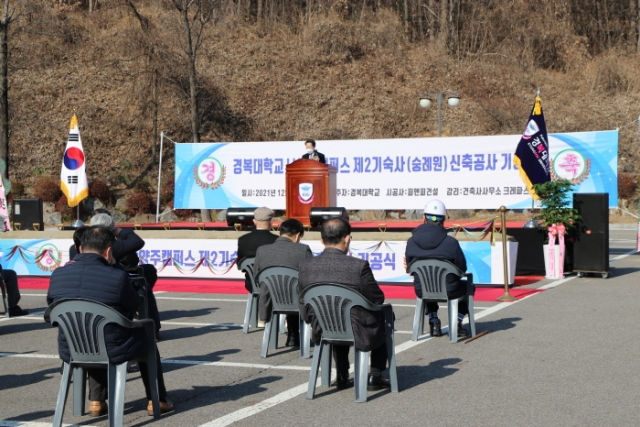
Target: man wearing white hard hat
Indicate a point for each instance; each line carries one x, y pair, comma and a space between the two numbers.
431, 241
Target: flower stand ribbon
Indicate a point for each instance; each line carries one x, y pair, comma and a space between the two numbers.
556, 230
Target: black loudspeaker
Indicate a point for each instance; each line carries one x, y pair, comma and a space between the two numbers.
591, 247
28, 213
318, 215
242, 216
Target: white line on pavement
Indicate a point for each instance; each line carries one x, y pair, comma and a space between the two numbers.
236, 365
302, 388
4, 423
177, 362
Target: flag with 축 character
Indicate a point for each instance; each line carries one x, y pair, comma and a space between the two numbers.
532, 154
73, 178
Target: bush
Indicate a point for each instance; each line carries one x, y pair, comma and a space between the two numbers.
143, 187
17, 189
100, 190
48, 189
62, 206
626, 185
166, 194
139, 203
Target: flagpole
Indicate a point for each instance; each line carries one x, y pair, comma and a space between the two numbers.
159, 178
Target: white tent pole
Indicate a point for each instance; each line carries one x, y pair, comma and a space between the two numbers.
159, 178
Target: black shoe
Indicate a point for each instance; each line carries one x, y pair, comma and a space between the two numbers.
343, 381
435, 328
17, 311
377, 382
462, 332
293, 340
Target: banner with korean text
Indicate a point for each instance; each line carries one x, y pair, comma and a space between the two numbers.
475, 172
215, 259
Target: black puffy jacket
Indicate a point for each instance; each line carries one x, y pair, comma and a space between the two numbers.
89, 276
432, 241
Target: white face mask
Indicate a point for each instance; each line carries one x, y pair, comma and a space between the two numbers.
310, 150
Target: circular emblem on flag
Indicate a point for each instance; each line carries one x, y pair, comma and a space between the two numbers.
570, 165
48, 257
73, 158
210, 173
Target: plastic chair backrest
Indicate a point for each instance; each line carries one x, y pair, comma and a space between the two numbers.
282, 283
332, 304
82, 322
246, 266
432, 276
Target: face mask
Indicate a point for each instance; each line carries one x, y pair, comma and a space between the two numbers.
310, 150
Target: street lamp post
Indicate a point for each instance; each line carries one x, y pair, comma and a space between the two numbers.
453, 100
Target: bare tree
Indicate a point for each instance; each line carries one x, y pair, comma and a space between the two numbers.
194, 16
4, 75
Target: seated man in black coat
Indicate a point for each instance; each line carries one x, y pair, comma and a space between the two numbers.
13, 293
125, 252
249, 243
92, 277
334, 266
286, 251
431, 241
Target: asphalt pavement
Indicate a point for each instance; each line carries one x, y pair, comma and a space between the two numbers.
568, 356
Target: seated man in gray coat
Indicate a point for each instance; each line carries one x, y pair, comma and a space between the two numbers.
286, 251
333, 265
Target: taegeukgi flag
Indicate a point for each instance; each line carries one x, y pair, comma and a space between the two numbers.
532, 153
73, 178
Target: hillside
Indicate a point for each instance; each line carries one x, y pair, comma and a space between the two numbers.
342, 72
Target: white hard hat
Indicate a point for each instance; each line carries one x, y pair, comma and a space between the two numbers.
435, 207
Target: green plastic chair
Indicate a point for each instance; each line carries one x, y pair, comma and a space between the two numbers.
251, 312
432, 276
82, 322
282, 283
332, 304
5, 301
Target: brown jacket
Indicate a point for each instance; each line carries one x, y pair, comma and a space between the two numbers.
334, 266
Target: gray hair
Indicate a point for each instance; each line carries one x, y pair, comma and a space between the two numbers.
104, 220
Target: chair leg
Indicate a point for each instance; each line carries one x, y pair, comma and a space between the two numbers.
452, 308
361, 374
266, 337
275, 325
79, 391
247, 315
254, 310
327, 355
117, 382
313, 374
472, 317
152, 369
305, 339
391, 356
5, 301
62, 395
418, 320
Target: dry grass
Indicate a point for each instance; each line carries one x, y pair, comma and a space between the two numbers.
330, 78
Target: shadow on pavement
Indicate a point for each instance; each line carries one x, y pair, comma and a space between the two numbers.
185, 314
193, 331
496, 325
16, 328
168, 366
21, 380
